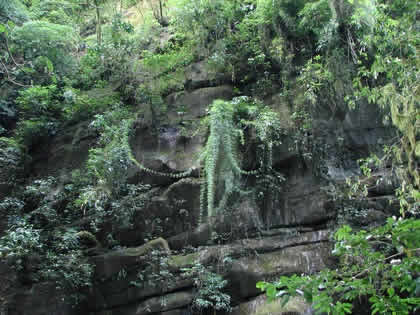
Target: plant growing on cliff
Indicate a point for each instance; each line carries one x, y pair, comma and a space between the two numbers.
108, 194
380, 267
39, 255
11, 161
229, 122
389, 78
210, 287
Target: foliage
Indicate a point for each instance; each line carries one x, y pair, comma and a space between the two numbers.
108, 195
166, 69
313, 54
381, 264
228, 122
210, 287
38, 101
390, 79
30, 132
79, 106
20, 243
61, 258
112, 61
204, 20
11, 161
156, 271
55, 11
13, 10
55, 42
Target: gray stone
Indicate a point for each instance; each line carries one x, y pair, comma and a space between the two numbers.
112, 263
199, 75
168, 302
261, 306
192, 105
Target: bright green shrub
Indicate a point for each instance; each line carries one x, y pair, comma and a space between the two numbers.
55, 11
78, 106
62, 261
13, 10
54, 41
210, 287
20, 242
38, 101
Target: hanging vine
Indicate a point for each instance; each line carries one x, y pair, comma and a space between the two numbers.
222, 172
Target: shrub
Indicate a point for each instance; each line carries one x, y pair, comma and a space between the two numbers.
38, 101
60, 259
13, 10
210, 287
11, 160
20, 242
381, 265
54, 41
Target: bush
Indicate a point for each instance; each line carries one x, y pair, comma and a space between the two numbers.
56, 42
53, 11
20, 242
11, 160
13, 10
38, 101
79, 106
60, 259
380, 265
210, 287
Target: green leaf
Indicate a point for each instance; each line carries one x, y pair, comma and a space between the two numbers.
271, 291
260, 285
307, 294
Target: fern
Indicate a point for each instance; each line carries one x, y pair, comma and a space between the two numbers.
222, 163
221, 173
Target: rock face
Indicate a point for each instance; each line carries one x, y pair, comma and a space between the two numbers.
175, 147
67, 151
249, 261
260, 306
251, 242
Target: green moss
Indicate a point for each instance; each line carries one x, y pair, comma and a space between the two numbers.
180, 261
157, 244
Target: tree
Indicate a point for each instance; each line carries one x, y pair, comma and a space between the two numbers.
98, 22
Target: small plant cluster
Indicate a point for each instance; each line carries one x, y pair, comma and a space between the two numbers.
38, 255
108, 194
210, 287
11, 161
380, 265
156, 272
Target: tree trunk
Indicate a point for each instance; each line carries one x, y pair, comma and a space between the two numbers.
160, 10
98, 23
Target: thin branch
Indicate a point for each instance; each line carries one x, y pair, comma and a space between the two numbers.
363, 272
10, 53
9, 77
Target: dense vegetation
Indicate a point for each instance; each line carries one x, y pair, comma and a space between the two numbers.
63, 62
